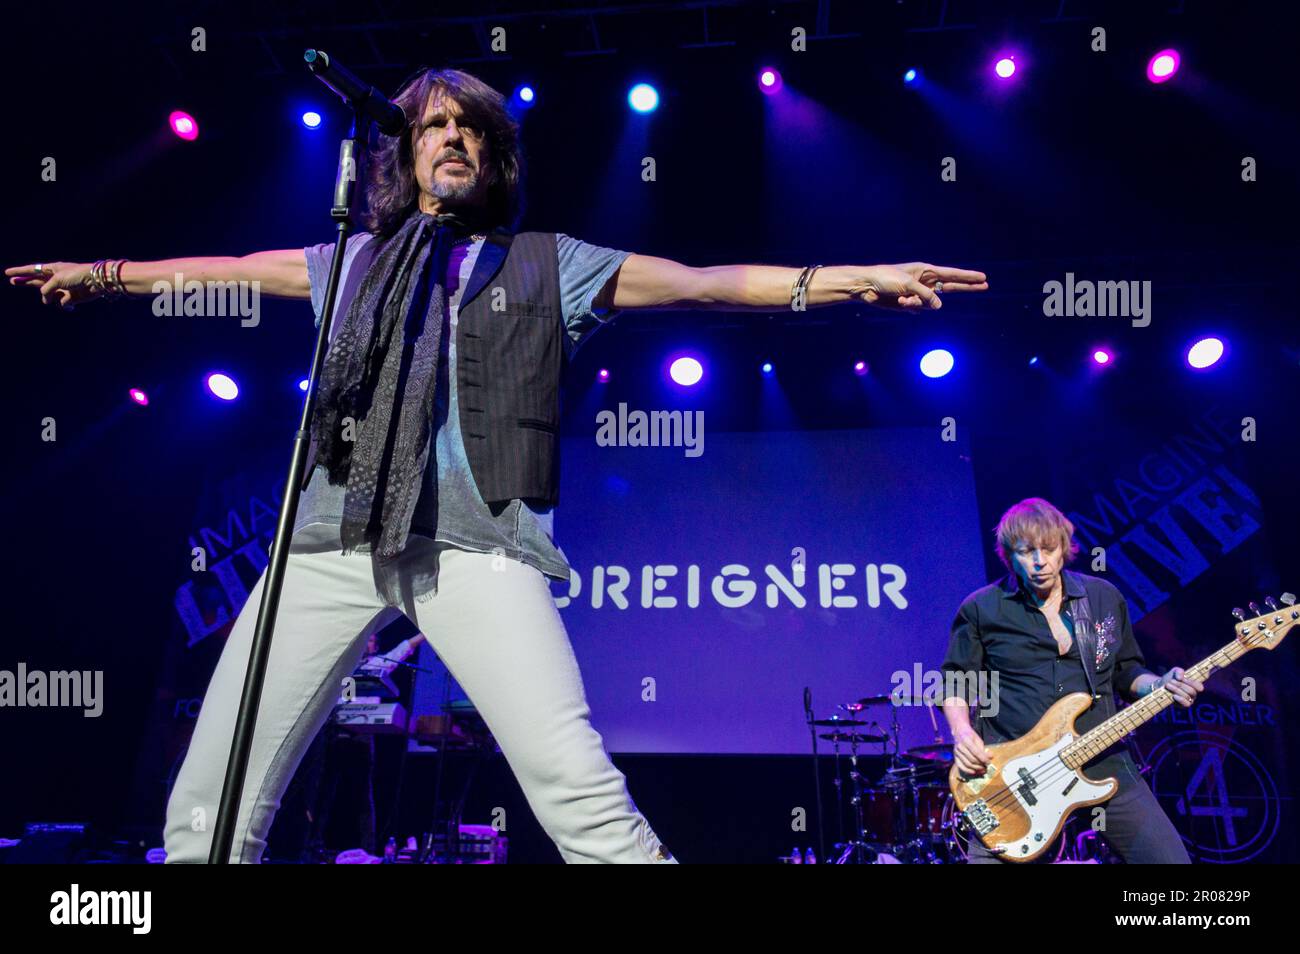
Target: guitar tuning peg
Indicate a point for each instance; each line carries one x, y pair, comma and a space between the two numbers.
1271, 603
1288, 599
1240, 613
1254, 608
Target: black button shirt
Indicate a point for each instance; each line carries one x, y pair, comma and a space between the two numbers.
998, 629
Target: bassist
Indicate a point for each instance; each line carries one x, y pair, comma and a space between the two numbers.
1047, 632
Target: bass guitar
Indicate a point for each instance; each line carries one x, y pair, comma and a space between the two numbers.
1033, 783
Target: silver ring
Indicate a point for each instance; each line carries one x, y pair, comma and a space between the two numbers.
938, 287
40, 269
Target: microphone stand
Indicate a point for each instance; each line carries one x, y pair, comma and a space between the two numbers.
351, 152
817, 775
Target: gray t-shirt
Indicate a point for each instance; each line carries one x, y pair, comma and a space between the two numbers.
450, 511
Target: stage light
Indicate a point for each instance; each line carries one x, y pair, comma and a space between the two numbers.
139, 397
767, 367
184, 125
1033, 361
1005, 67
643, 98
222, 386
526, 94
936, 363
686, 371
603, 375
1205, 353
860, 368
302, 385
1162, 66
1102, 356
769, 81
910, 76
311, 119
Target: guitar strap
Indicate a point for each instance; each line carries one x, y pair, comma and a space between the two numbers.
1085, 637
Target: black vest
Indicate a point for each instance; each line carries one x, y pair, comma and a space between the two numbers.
509, 358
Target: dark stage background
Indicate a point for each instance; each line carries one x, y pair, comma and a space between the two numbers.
1080, 166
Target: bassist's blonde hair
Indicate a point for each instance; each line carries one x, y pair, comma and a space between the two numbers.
1035, 521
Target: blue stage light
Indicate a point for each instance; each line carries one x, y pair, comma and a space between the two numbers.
643, 98
936, 363
1205, 353
222, 386
686, 371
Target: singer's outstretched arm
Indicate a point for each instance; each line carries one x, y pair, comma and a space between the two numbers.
281, 274
645, 281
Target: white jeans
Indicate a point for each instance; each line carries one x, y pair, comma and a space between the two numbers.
493, 624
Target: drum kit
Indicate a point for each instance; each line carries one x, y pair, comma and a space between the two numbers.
906, 813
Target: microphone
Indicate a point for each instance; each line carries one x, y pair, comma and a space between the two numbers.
387, 115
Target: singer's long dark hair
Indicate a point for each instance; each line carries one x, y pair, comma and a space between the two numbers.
392, 191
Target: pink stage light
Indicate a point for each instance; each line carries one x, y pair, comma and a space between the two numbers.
184, 125
1163, 66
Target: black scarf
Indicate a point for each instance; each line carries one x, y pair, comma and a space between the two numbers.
376, 396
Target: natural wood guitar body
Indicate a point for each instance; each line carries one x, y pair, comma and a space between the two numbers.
1024, 830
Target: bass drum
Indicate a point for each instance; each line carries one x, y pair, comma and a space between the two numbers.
884, 816
932, 801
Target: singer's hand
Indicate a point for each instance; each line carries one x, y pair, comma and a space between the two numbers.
65, 284
915, 284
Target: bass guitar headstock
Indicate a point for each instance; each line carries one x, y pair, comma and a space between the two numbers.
1266, 630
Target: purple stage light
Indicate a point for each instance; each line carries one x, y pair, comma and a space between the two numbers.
184, 125
937, 363
1005, 67
1102, 356
1162, 66
686, 371
860, 368
222, 386
139, 397
769, 80
1205, 353
602, 375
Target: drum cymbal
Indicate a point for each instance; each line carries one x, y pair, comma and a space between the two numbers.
850, 738
880, 700
927, 754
